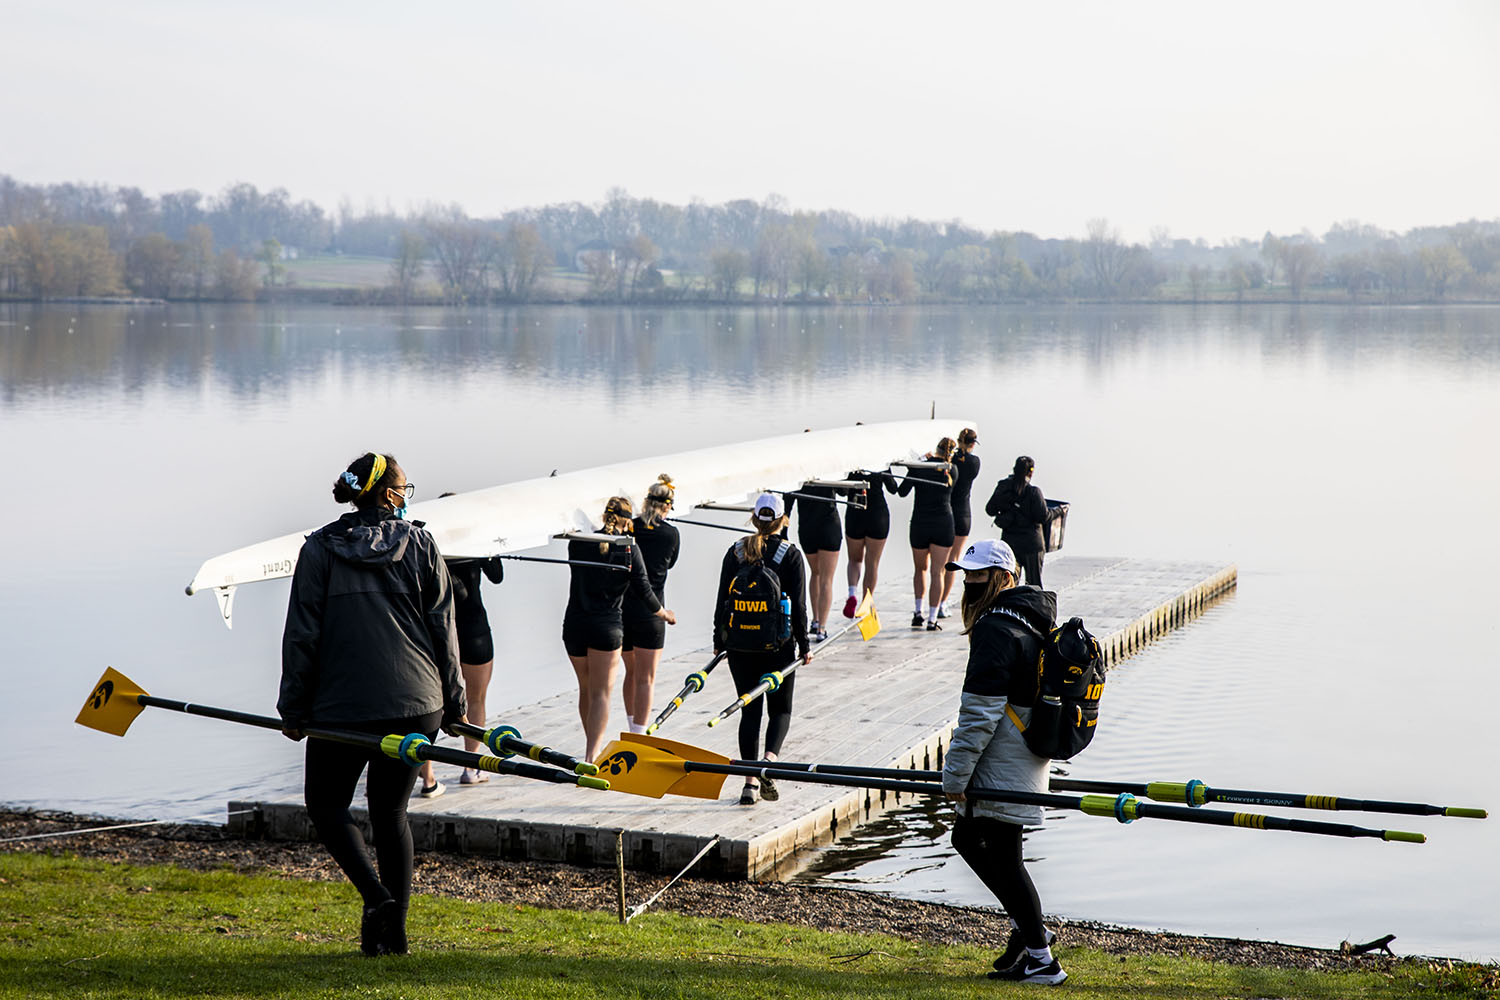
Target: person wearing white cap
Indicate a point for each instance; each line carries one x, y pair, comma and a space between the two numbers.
1004, 623
760, 619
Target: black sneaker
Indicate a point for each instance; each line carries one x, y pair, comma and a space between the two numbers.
934, 627
1015, 950
768, 789
1029, 970
371, 925
917, 621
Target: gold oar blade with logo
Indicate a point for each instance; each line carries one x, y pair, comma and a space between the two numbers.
653, 767
113, 705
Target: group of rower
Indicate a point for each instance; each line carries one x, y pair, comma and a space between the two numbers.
381, 636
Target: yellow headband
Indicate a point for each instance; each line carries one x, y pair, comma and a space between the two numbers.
377, 471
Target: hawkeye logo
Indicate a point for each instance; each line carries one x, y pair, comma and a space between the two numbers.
619, 763
101, 695
751, 606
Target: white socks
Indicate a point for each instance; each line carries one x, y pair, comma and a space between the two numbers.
1040, 954
636, 727
852, 591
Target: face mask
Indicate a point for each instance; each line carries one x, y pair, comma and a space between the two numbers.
400, 511
975, 591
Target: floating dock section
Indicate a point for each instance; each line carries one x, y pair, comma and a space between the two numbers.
890, 702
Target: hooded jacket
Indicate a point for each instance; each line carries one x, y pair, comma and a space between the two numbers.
1020, 512
986, 749
369, 627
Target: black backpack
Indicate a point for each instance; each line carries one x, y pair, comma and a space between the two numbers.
758, 614
1070, 682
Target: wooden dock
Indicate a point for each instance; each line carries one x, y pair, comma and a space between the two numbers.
890, 702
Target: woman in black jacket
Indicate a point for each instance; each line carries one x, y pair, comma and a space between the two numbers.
370, 646
593, 625
748, 666
1020, 512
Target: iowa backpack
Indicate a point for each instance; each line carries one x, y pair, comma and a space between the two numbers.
758, 615
1070, 682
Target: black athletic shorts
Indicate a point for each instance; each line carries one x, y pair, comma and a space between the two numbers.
963, 520
476, 649
928, 532
645, 633
874, 524
581, 636
821, 536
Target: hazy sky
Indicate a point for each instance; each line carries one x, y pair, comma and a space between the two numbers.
1212, 119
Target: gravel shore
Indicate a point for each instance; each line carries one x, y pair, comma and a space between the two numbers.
567, 887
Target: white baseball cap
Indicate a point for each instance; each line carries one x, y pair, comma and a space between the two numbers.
771, 502
987, 553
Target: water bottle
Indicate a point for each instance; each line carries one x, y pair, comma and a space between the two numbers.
784, 626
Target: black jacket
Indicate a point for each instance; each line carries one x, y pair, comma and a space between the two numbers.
468, 606
659, 544
934, 499
965, 471
792, 573
1003, 658
369, 627
880, 483
596, 594
1020, 512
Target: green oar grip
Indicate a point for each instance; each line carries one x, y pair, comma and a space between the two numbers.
404, 748
495, 739
1403, 837
490, 764
1121, 807
1466, 813
584, 781
714, 722
1193, 793
585, 769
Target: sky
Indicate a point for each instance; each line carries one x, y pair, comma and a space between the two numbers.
1213, 120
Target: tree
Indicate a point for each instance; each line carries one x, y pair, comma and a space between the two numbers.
1197, 276
728, 268
152, 266
235, 279
270, 258
198, 256
523, 259
456, 246
1298, 262
406, 266
1442, 267
1104, 257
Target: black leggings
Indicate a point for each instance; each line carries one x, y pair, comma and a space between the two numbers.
992, 847
748, 668
332, 772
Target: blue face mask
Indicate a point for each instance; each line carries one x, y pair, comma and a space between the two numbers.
401, 511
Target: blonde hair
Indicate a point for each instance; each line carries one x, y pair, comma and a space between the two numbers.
617, 515
658, 500
973, 610
755, 545
944, 449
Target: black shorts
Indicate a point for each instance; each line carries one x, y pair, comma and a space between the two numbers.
820, 536
929, 532
476, 649
963, 520
581, 636
874, 524
645, 633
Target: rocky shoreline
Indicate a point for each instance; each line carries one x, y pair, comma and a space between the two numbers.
566, 887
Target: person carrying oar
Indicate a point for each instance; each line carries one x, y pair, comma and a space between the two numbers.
369, 646
986, 750
760, 619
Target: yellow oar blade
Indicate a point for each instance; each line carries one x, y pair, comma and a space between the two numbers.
869, 624
651, 766
112, 706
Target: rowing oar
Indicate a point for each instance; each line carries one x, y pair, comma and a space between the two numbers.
814, 498
506, 741
692, 683
653, 767
710, 524
1192, 793
565, 562
865, 619
117, 700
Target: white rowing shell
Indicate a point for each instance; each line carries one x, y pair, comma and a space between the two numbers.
527, 514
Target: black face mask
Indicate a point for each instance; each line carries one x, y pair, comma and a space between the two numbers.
975, 591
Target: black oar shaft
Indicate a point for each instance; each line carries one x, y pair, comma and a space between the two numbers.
505, 740
423, 751
710, 524
695, 682
568, 562
814, 498
1196, 793
1125, 808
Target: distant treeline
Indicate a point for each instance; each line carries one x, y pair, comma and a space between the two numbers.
63, 240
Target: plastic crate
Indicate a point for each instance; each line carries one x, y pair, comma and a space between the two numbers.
1057, 524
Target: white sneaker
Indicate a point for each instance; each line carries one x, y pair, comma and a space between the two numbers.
433, 790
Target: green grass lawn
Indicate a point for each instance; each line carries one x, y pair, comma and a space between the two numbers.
341, 271
75, 928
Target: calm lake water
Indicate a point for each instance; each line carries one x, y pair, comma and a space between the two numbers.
1343, 458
